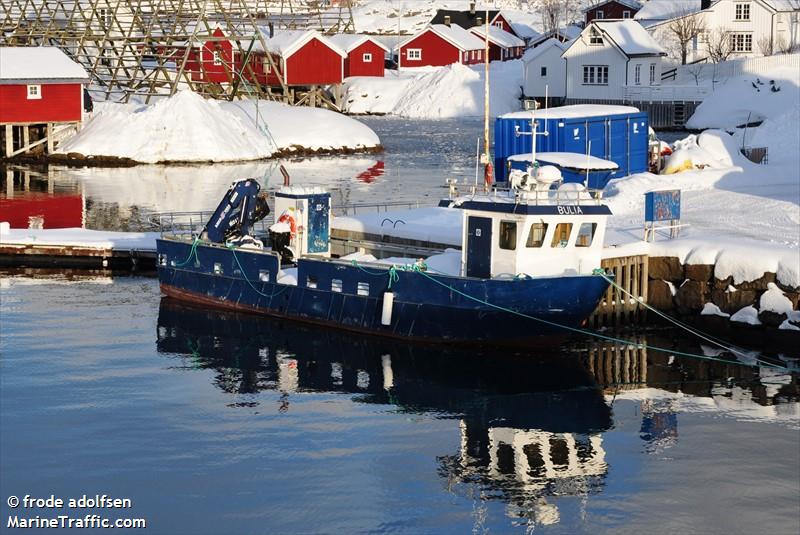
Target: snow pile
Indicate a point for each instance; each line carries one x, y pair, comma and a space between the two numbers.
748, 315
710, 309
773, 300
712, 148
437, 92
188, 128
748, 98
780, 134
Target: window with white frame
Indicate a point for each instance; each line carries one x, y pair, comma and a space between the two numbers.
217, 57
34, 92
742, 42
652, 73
367, 57
599, 14
595, 37
595, 75
637, 74
742, 12
499, 24
267, 67
626, 14
414, 54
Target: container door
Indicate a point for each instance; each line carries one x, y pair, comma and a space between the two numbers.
479, 247
618, 145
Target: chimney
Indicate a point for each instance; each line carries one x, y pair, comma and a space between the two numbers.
447, 20
472, 8
478, 21
271, 30
705, 4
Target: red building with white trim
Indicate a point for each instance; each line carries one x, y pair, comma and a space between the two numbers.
439, 45
503, 46
304, 58
365, 54
40, 85
612, 9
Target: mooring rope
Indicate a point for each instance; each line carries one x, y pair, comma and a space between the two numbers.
244, 274
700, 334
417, 269
192, 253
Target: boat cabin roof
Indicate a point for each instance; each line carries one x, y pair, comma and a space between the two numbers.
565, 200
572, 160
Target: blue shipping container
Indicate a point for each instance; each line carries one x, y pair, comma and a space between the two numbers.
616, 133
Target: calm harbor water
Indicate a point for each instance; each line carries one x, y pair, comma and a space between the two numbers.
219, 423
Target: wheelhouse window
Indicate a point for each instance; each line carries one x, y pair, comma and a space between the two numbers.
742, 42
414, 54
367, 58
595, 75
742, 12
561, 235
34, 92
585, 234
508, 235
536, 235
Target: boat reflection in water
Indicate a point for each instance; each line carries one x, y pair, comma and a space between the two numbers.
531, 424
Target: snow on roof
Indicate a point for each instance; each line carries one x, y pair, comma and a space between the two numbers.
630, 37
458, 36
657, 10
287, 42
784, 5
572, 112
574, 160
633, 4
349, 41
568, 33
465, 19
524, 30
18, 63
533, 53
498, 36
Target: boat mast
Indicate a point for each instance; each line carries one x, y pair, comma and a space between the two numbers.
487, 162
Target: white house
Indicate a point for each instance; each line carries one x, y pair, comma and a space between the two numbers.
608, 56
754, 27
543, 67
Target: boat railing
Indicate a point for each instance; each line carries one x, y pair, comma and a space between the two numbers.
357, 208
550, 196
190, 224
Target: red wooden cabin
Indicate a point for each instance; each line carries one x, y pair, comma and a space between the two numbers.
439, 45
503, 46
365, 54
215, 60
40, 85
612, 9
304, 58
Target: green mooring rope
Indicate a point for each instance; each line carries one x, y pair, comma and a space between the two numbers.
244, 274
192, 254
416, 268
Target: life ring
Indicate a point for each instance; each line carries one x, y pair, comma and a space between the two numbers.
288, 218
488, 177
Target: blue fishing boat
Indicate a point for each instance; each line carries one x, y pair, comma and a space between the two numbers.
525, 270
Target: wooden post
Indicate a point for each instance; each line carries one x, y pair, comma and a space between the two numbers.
26, 137
50, 140
9, 183
9, 140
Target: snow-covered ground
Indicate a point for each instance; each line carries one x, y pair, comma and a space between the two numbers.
437, 92
188, 128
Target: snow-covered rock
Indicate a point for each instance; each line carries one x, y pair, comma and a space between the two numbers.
748, 315
773, 300
710, 309
188, 128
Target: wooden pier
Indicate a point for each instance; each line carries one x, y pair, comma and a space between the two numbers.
618, 308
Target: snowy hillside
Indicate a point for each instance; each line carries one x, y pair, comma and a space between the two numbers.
410, 16
188, 128
437, 92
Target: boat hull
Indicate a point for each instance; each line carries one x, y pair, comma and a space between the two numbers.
427, 307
